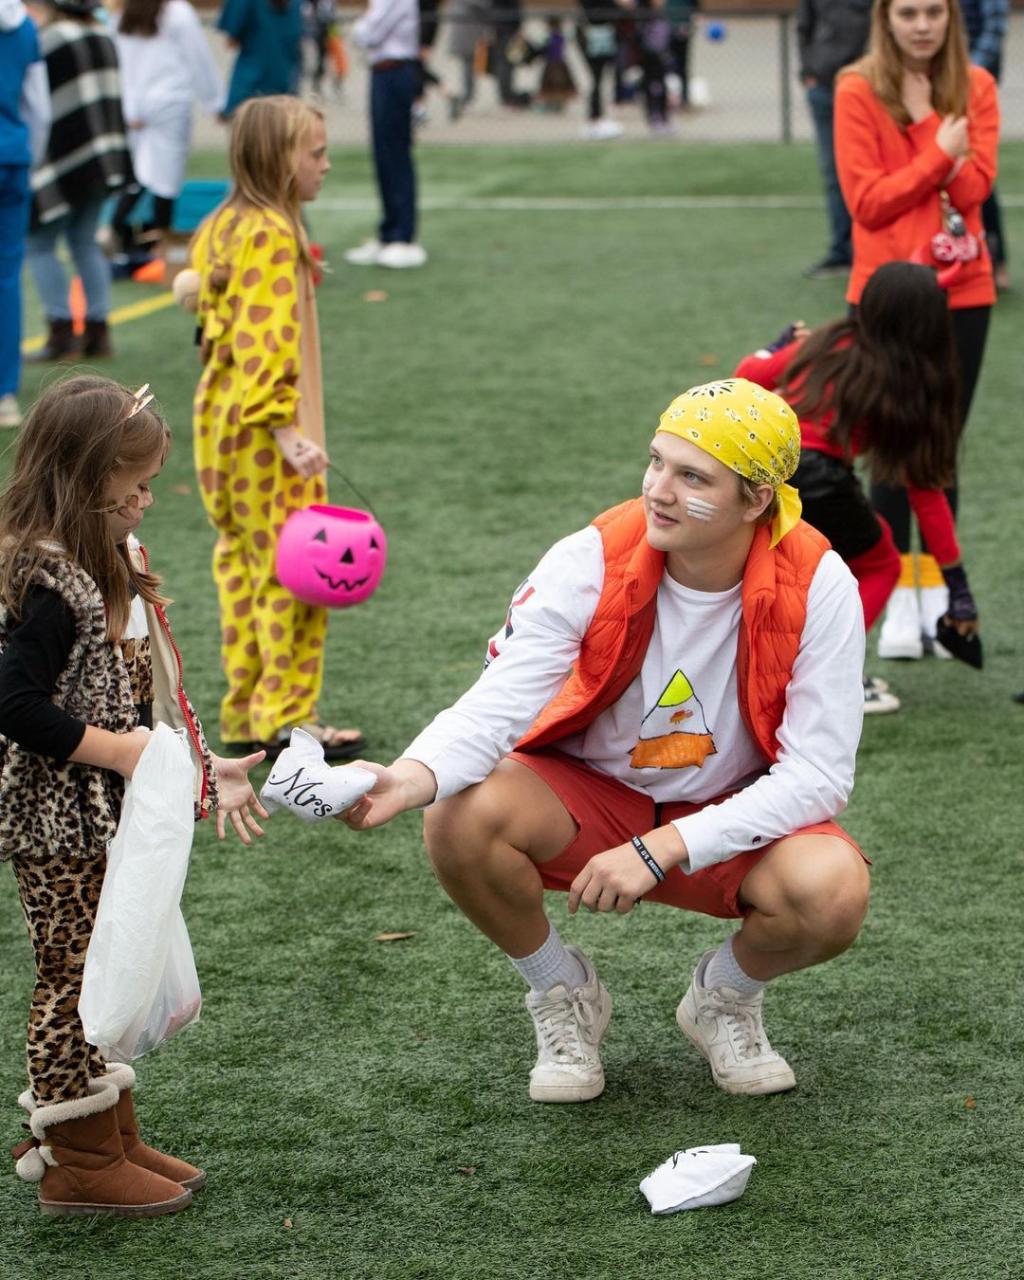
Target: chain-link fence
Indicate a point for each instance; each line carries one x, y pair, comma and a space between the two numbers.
740, 80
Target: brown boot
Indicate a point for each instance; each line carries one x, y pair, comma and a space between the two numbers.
81, 1167
135, 1149
96, 343
60, 344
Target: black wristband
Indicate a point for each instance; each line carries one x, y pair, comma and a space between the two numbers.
648, 858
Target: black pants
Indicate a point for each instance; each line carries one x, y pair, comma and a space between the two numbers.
163, 209
970, 329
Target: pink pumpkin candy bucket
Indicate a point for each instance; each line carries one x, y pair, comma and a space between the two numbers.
331, 556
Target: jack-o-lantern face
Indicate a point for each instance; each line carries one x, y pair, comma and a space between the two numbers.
331, 556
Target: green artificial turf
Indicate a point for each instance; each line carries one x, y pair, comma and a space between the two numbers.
360, 1106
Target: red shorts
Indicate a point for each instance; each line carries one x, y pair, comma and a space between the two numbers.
608, 813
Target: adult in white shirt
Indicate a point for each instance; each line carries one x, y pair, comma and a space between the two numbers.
166, 64
681, 682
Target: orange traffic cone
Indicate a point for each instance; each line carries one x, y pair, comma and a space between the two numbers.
76, 305
151, 272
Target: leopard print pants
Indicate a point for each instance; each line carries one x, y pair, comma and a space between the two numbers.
59, 897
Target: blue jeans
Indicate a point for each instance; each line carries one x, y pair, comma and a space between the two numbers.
15, 202
819, 99
392, 92
79, 229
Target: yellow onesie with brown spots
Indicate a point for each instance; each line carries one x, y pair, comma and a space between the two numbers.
254, 298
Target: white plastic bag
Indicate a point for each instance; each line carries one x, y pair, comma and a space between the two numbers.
140, 985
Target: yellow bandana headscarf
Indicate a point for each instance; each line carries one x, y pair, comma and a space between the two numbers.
751, 430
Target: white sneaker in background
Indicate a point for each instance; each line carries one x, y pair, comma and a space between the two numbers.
728, 1031
602, 130
400, 255
365, 255
879, 701
900, 636
934, 601
10, 414
570, 1026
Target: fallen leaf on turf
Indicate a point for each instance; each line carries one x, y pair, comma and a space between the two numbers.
468, 1169
708, 359
287, 1223
183, 489
393, 937
969, 1103
375, 295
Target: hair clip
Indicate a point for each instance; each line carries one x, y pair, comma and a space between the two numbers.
141, 399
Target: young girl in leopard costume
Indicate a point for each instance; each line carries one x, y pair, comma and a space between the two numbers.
87, 666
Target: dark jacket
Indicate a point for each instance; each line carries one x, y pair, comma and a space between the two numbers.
831, 33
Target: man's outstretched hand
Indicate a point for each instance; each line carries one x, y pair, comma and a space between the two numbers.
406, 784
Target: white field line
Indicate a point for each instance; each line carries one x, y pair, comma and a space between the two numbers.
594, 204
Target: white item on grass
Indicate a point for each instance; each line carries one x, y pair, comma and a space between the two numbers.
139, 985
698, 1178
301, 780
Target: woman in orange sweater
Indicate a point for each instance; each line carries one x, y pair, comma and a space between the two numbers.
916, 132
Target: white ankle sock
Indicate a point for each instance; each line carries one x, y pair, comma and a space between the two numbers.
724, 971
550, 965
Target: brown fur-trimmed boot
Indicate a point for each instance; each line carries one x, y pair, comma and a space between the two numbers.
135, 1149
80, 1163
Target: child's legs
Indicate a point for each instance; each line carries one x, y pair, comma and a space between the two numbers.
877, 571
90, 260
239, 652
654, 87
59, 898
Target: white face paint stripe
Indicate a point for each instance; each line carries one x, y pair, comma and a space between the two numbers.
698, 509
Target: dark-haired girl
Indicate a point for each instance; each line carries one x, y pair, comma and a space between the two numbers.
87, 666
166, 62
880, 383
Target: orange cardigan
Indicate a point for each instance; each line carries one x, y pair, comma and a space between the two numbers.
891, 178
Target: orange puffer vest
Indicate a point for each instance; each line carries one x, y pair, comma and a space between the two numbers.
774, 599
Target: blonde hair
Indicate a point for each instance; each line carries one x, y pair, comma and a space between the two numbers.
266, 135
882, 66
79, 432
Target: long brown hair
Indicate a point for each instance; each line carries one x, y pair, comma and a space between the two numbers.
266, 134
888, 375
76, 436
140, 17
882, 66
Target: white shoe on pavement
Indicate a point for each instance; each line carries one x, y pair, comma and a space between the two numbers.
728, 1031
400, 255
570, 1026
900, 636
365, 255
10, 414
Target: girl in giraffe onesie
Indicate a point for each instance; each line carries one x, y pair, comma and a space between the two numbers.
259, 421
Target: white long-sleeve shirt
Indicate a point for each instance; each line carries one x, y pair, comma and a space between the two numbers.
676, 734
389, 31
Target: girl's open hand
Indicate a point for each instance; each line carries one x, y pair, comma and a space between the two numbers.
237, 799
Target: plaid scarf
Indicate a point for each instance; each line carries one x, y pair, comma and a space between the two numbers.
87, 155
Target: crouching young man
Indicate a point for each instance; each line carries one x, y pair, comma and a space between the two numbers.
671, 712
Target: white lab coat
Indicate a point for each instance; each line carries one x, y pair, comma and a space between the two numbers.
161, 75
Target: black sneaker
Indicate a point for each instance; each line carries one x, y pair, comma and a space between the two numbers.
828, 269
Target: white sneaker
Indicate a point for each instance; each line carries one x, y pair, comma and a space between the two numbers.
900, 636
10, 414
366, 255
570, 1026
729, 1032
934, 601
878, 701
400, 255
602, 130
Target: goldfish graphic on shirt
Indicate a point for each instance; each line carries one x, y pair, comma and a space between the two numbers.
674, 733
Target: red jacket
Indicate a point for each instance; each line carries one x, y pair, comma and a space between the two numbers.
774, 595
891, 177
931, 506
